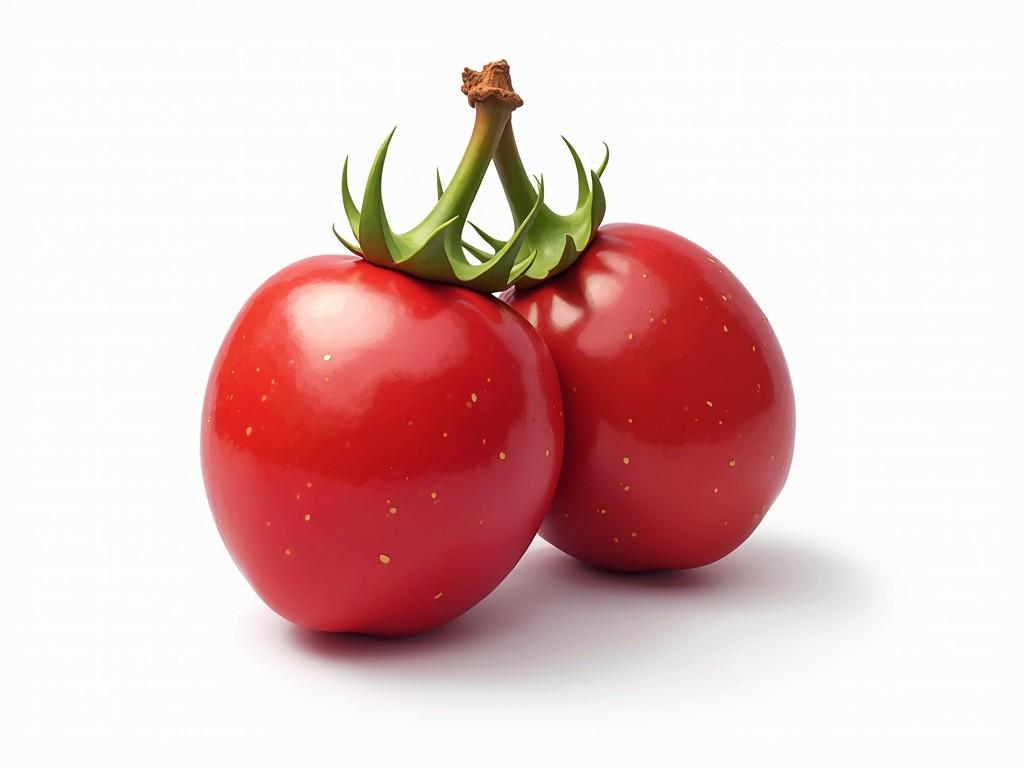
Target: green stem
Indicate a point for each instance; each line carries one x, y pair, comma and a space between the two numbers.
492, 117
519, 190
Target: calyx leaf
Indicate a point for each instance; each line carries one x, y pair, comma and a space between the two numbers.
556, 239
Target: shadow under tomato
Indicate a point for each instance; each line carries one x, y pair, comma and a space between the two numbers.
555, 618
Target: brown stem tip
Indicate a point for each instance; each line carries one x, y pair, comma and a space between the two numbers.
492, 82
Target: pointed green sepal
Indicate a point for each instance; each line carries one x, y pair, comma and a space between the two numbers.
346, 243
351, 212
604, 163
494, 242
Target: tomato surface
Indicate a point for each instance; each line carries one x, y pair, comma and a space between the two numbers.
679, 411
378, 451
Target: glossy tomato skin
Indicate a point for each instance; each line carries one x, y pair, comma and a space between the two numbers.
679, 410
378, 451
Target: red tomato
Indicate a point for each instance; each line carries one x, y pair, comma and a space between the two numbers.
378, 450
679, 409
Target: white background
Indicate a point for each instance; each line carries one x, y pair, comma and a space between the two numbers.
858, 166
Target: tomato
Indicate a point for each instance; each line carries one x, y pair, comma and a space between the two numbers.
378, 451
678, 403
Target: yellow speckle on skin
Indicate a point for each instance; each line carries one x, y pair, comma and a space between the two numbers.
625, 488
444, 434
327, 357
307, 517
716, 490
725, 328
602, 511
298, 496
629, 335
433, 494
287, 551
502, 455
732, 462
547, 451
439, 595
392, 510
484, 441
384, 559
263, 398
615, 539
625, 459
709, 403
472, 396
629, 420
248, 431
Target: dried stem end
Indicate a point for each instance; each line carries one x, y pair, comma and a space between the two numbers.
492, 82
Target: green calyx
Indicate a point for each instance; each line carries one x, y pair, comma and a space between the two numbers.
556, 240
543, 243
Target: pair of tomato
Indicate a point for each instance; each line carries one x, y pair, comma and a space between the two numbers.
380, 450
